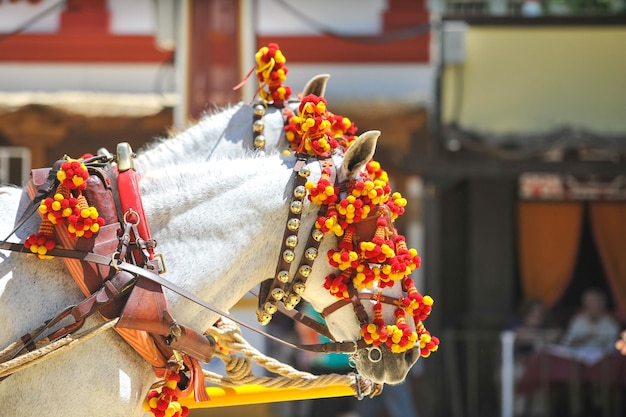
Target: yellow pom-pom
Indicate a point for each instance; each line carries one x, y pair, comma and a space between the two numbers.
61, 175
152, 403
428, 300
77, 181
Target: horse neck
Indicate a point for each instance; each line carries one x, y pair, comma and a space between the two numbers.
220, 227
217, 226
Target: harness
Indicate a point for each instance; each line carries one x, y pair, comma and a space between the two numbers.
119, 273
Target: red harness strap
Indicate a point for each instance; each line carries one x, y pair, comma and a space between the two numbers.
132, 206
130, 200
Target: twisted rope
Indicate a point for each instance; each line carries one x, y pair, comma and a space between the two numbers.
48, 350
239, 368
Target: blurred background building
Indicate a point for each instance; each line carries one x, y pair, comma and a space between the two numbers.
503, 124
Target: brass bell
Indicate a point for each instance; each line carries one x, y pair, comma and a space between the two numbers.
259, 110
299, 287
258, 125
288, 256
294, 299
259, 141
270, 307
289, 306
305, 271
296, 207
317, 235
291, 241
283, 276
304, 172
299, 192
262, 317
277, 294
293, 224
311, 254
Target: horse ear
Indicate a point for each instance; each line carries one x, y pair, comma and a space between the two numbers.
361, 151
316, 85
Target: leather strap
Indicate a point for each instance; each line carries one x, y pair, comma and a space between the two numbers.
332, 347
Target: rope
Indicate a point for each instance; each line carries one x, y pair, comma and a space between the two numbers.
36, 356
239, 368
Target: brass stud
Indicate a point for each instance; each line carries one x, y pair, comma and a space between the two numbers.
299, 287
259, 110
305, 271
291, 241
262, 317
269, 307
259, 141
296, 207
304, 172
310, 254
288, 256
293, 224
317, 235
258, 126
278, 294
299, 192
283, 276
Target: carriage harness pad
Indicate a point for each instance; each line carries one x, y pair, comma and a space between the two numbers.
145, 321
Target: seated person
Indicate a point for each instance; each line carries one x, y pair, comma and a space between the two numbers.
593, 329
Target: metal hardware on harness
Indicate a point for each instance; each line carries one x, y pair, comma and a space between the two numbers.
125, 157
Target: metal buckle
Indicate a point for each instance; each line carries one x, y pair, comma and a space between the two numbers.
374, 354
157, 264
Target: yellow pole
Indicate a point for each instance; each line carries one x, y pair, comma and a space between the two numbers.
256, 394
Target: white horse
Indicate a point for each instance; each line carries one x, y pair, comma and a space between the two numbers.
219, 226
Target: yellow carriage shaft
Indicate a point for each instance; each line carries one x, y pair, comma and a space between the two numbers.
255, 394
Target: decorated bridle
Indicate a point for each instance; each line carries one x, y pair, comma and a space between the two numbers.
371, 254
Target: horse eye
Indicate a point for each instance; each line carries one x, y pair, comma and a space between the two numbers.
374, 354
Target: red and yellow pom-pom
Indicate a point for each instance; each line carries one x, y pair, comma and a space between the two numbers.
41, 242
164, 402
73, 174
337, 285
427, 343
309, 131
58, 207
397, 337
271, 73
324, 192
85, 220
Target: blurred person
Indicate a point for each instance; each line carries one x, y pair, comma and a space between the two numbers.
593, 329
590, 336
533, 331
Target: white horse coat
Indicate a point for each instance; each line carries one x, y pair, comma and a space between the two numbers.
219, 226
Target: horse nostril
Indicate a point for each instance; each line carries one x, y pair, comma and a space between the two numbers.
411, 355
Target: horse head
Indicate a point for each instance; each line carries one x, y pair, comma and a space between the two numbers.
360, 309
